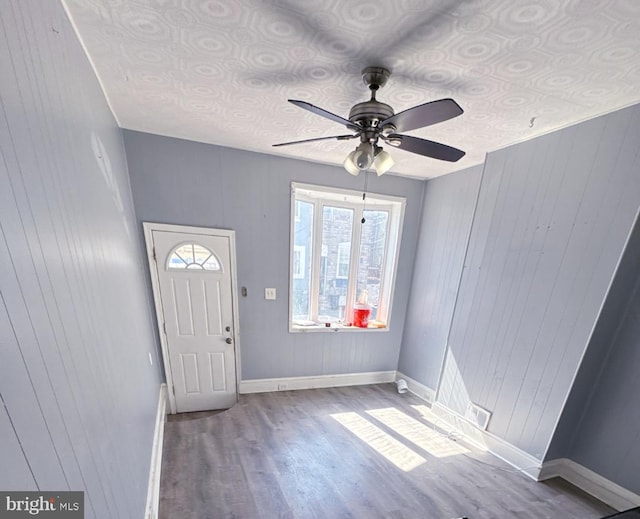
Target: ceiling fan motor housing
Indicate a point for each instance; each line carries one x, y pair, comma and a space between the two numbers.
369, 113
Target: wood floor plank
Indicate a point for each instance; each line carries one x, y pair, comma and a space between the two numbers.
354, 452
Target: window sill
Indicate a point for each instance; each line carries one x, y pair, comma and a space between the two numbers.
336, 327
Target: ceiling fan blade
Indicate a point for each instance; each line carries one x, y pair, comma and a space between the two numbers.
323, 113
435, 150
424, 115
337, 137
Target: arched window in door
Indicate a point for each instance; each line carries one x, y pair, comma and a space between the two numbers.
189, 256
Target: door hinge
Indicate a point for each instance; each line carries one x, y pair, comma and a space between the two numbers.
154, 254
164, 327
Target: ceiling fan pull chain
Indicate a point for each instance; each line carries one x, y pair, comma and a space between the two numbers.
364, 195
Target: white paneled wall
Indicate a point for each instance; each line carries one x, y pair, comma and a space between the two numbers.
447, 214
552, 221
78, 393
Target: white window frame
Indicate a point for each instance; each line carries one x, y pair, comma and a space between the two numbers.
322, 196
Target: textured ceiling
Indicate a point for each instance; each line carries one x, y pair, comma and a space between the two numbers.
221, 71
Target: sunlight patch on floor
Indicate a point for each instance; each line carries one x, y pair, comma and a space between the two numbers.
426, 413
418, 433
463, 430
433, 419
393, 450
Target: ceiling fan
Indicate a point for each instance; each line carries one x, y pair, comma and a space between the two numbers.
372, 120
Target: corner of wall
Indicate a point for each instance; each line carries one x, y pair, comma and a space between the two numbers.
590, 482
153, 489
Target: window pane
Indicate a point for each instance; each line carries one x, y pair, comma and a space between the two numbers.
301, 267
337, 224
185, 252
373, 243
193, 256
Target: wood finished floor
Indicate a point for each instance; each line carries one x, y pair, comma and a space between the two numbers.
361, 452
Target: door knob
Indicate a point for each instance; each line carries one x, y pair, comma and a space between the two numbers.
228, 328
228, 340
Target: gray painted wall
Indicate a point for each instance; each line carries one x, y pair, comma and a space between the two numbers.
552, 220
600, 425
188, 183
78, 394
608, 439
444, 233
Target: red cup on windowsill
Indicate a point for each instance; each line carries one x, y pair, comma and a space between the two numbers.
361, 315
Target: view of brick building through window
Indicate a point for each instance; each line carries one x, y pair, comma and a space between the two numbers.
352, 256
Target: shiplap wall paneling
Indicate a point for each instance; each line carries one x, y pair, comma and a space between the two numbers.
75, 380
498, 266
553, 217
447, 213
251, 193
450, 390
603, 222
20, 477
523, 259
35, 409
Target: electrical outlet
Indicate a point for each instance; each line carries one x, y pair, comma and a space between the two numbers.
283, 387
270, 293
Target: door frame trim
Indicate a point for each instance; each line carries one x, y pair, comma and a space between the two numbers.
148, 228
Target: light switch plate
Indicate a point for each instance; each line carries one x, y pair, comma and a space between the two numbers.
269, 293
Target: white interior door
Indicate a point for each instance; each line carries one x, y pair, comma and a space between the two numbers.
194, 273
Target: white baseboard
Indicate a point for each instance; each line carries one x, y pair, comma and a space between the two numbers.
267, 385
153, 490
585, 479
517, 458
417, 388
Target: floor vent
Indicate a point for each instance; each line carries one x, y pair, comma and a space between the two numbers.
478, 416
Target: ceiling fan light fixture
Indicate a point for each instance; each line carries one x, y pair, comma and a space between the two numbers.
350, 165
383, 162
359, 159
363, 157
